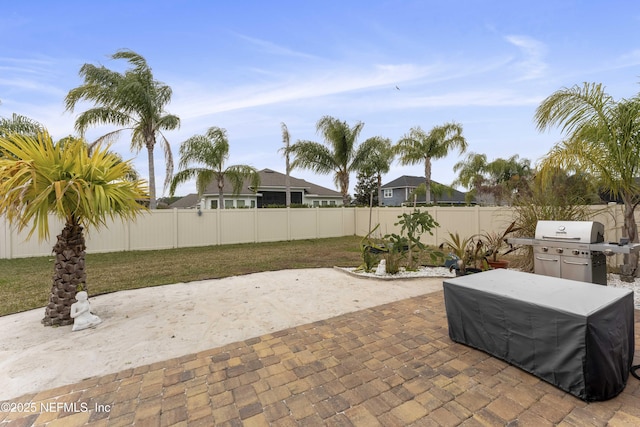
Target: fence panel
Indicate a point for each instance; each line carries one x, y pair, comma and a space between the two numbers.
237, 226
197, 229
154, 230
273, 226
330, 222
162, 229
304, 223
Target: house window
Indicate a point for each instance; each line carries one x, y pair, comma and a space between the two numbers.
253, 204
388, 193
316, 203
240, 203
324, 203
214, 204
228, 204
332, 203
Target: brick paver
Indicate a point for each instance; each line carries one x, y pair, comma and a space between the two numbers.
388, 365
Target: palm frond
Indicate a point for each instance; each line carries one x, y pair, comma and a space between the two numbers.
44, 177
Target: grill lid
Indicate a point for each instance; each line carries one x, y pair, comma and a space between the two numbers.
570, 231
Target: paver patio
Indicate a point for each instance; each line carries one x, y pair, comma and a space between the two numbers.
391, 365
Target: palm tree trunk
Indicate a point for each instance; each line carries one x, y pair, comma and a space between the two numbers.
69, 275
287, 186
630, 267
427, 179
152, 178
220, 198
344, 187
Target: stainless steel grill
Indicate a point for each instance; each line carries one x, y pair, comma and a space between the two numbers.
573, 250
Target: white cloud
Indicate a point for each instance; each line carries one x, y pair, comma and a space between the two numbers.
532, 65
193, 101
275, 49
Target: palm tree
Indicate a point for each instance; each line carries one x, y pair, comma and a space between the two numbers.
418, 146
285, 150
602, 139
339, 154
19, 124
437, 190
203, 157
379, 160
132, 100
471, 174
508, 177
39, 177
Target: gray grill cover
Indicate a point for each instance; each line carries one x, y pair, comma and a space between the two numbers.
577, 336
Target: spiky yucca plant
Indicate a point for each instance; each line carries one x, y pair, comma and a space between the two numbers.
39, 177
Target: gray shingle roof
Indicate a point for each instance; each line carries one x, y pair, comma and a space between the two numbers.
407, 181
270, 179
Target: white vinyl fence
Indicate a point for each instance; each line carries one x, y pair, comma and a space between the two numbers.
177, 228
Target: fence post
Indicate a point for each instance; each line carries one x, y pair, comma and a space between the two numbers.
288, 208
6, 232
218, 226
127, 235
435, 230
175, 228
255, 226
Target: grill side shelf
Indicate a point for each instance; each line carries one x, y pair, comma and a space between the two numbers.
618, 249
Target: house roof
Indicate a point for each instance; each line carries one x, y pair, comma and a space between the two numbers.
188, 201
406, 181
275, 181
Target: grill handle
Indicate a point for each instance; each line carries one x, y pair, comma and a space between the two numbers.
560, 238
575, 263
547, 259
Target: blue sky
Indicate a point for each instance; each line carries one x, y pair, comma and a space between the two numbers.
247, 66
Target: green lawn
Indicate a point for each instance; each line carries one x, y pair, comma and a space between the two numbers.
25, 282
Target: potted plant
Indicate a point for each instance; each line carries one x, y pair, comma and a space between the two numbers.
466, 252
494, 242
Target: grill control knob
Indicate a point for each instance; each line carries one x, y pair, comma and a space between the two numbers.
545, 249
575, 252
559, 250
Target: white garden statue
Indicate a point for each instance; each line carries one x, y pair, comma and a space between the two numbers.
81, 313
381, 270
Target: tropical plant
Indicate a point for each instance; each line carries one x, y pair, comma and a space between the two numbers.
413, 225
378, 161
339, 154
602, 139
467, 252
471, 175
39, 177
19, 124
418, 146
550, 201
203, 157
501, 179
286, 138
370, 249
133, 100
508, 177
395, 245
494, 242
437, 191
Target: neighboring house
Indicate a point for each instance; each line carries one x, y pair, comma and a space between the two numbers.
189, 201
270, 192
397, 192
